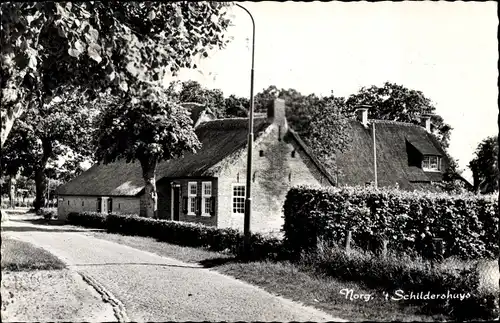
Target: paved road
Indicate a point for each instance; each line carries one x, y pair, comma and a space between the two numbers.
146, 287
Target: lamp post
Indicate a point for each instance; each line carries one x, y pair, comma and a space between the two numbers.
248, 190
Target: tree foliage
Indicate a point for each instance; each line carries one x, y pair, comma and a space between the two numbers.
47, 47
326, 133
236, 107
192, 91
44, 134
484, 165
148, 128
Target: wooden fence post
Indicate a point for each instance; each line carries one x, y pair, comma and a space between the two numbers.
437, 251
348, 239
385, 242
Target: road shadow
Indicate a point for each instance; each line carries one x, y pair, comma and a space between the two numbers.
43, 221
136, 264
216, 262
12, 228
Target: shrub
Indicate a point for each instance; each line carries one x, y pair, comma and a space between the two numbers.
88, 219
408, 221
182, 233
47, 213
416, 275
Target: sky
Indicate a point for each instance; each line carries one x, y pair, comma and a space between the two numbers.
447, 50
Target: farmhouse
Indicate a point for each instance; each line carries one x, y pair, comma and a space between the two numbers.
209, 186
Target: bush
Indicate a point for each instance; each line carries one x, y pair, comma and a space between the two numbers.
88, 219
182, 233
47, 213
409, 275
408, 221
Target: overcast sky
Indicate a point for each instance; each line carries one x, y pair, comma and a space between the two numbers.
447, 50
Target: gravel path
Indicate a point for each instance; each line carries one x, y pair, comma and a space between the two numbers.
143, 286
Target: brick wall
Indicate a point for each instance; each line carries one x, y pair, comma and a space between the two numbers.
164, 200
68, 204
273, 174
126, 205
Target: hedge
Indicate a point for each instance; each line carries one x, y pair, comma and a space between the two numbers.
389, 273
396, 272
408, 221
47, 213
182, 233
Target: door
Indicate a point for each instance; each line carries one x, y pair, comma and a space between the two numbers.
176, 194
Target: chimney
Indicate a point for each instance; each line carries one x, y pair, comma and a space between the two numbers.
276, 114
362, 114
426, 121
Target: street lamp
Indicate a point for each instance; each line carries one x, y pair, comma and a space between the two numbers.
248, 190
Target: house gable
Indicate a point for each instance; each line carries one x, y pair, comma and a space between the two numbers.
279, 162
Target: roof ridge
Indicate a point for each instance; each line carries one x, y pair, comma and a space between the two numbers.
235, 119
394, 122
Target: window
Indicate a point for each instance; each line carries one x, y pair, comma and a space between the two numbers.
192, 192
261, 153
110, 205
431, 163
293, 154
206, 194
238, 199
99, 204
83, 203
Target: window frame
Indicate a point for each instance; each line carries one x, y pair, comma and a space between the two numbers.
233, 201
192, 198
428, 165
206, 198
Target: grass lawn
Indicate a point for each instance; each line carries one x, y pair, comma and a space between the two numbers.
286, 280
22, 256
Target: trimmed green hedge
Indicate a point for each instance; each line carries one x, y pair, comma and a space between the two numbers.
406, 220
182, 233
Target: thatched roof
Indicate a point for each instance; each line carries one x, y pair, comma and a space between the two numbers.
219, 139
312, 157
396, 141
195, 110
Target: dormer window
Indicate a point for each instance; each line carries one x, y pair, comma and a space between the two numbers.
431, 163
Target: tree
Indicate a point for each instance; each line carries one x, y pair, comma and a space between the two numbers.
44, 134
16, 160
484, 166
192, 91
146, 127
48, 47
398, 103
236, 107
326, 131
266, 97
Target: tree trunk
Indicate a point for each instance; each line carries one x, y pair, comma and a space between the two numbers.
40, 177
12, 190
41, 187
149, 200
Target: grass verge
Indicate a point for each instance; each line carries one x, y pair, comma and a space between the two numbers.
288, 280
22, 256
